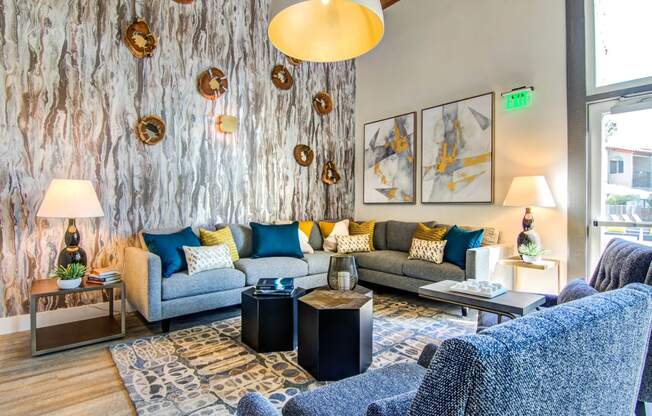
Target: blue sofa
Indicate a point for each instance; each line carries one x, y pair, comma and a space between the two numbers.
159, 299
581, 358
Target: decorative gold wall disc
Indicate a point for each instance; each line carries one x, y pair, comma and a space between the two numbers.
303, 154
139, 39
212, 83
330, 175
281, 78
294, 61
150, 129
322, 103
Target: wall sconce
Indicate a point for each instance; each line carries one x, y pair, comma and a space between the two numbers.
227, 124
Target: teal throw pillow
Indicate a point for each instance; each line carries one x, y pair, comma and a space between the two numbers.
169, 247
276, 240
458, 241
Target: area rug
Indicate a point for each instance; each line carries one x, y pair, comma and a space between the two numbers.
205, 370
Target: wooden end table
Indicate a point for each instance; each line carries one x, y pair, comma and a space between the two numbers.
545, 264
510, 304
74, 334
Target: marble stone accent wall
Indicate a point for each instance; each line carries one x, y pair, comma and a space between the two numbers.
70, 96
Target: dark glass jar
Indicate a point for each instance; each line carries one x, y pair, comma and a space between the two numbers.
342, 273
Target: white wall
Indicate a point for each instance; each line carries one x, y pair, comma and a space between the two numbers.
439, 51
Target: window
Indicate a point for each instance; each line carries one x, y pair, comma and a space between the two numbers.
616, 166
618, 44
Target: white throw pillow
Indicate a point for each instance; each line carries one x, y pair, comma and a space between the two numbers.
204, 258
353, 243
340, 228
432, 251
304, 240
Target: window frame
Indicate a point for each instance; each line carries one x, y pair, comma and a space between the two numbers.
591, 87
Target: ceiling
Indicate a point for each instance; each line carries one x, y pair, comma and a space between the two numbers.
388, 3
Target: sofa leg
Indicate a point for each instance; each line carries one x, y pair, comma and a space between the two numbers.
640, 409
165, 325
465, 311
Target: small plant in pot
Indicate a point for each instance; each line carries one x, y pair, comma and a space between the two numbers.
70, 277
530, 252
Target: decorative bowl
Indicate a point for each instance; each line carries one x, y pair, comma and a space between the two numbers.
69, 284
531, 259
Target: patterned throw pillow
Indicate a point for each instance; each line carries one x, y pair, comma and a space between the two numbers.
330, 230
432, 251
353, 243
223, 236
367, 228
204, 258
423, 232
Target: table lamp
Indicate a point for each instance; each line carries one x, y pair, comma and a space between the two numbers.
70, 198
528, 192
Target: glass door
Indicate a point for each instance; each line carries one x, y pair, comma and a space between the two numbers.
620, 168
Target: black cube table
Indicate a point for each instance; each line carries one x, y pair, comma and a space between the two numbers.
269, 323
335, 333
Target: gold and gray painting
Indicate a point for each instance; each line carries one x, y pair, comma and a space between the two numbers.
457, 152
389, 176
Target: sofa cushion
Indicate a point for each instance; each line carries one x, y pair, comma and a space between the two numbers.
388, 261
399, 234
318, 261
169, 247
272, 240
316, 240
576, 289
242, 235
271, 267
181, 285
458, 241
351, 396
380, 236
432, 272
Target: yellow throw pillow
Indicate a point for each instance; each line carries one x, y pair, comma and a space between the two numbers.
361, 228
326, 228
223, 236
423, 232
306, 227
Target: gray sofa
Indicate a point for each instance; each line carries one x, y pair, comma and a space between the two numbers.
159, 299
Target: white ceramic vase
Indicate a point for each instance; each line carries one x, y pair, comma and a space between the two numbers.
69, 284
531, 259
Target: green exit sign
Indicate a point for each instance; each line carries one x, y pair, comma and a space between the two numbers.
518, 99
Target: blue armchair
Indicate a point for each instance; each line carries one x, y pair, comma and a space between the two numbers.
622, 262
581, 358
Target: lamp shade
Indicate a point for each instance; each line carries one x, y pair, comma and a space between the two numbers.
325, 30
529, 191
70, 198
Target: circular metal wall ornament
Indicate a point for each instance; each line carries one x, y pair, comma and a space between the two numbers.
212, 83
139, 39
294, 61
303, 154
329, 174
322, 103
150, 129
281, 78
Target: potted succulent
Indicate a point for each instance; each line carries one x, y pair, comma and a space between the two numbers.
70, 277
530, 252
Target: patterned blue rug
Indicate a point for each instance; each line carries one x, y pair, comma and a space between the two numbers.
205, 370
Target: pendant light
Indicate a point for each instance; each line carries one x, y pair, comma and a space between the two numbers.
325, 30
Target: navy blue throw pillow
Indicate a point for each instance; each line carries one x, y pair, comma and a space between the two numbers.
458, 241
169, 247
276, 240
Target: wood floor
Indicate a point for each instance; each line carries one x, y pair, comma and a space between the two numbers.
82, 381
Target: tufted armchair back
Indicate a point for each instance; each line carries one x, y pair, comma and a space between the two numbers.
623, 262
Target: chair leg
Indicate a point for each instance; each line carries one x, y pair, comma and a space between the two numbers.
465, 311
640, 409
165, 325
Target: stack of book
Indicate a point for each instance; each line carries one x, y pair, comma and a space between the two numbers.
104, 276
274, 287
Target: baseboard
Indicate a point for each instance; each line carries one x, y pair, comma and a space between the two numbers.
18, 323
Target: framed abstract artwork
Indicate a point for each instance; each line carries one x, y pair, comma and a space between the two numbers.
389, 160
457, 159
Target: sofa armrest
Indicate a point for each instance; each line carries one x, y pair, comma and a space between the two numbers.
254, 404
142, 276
481, 262
426, 355
392, 406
